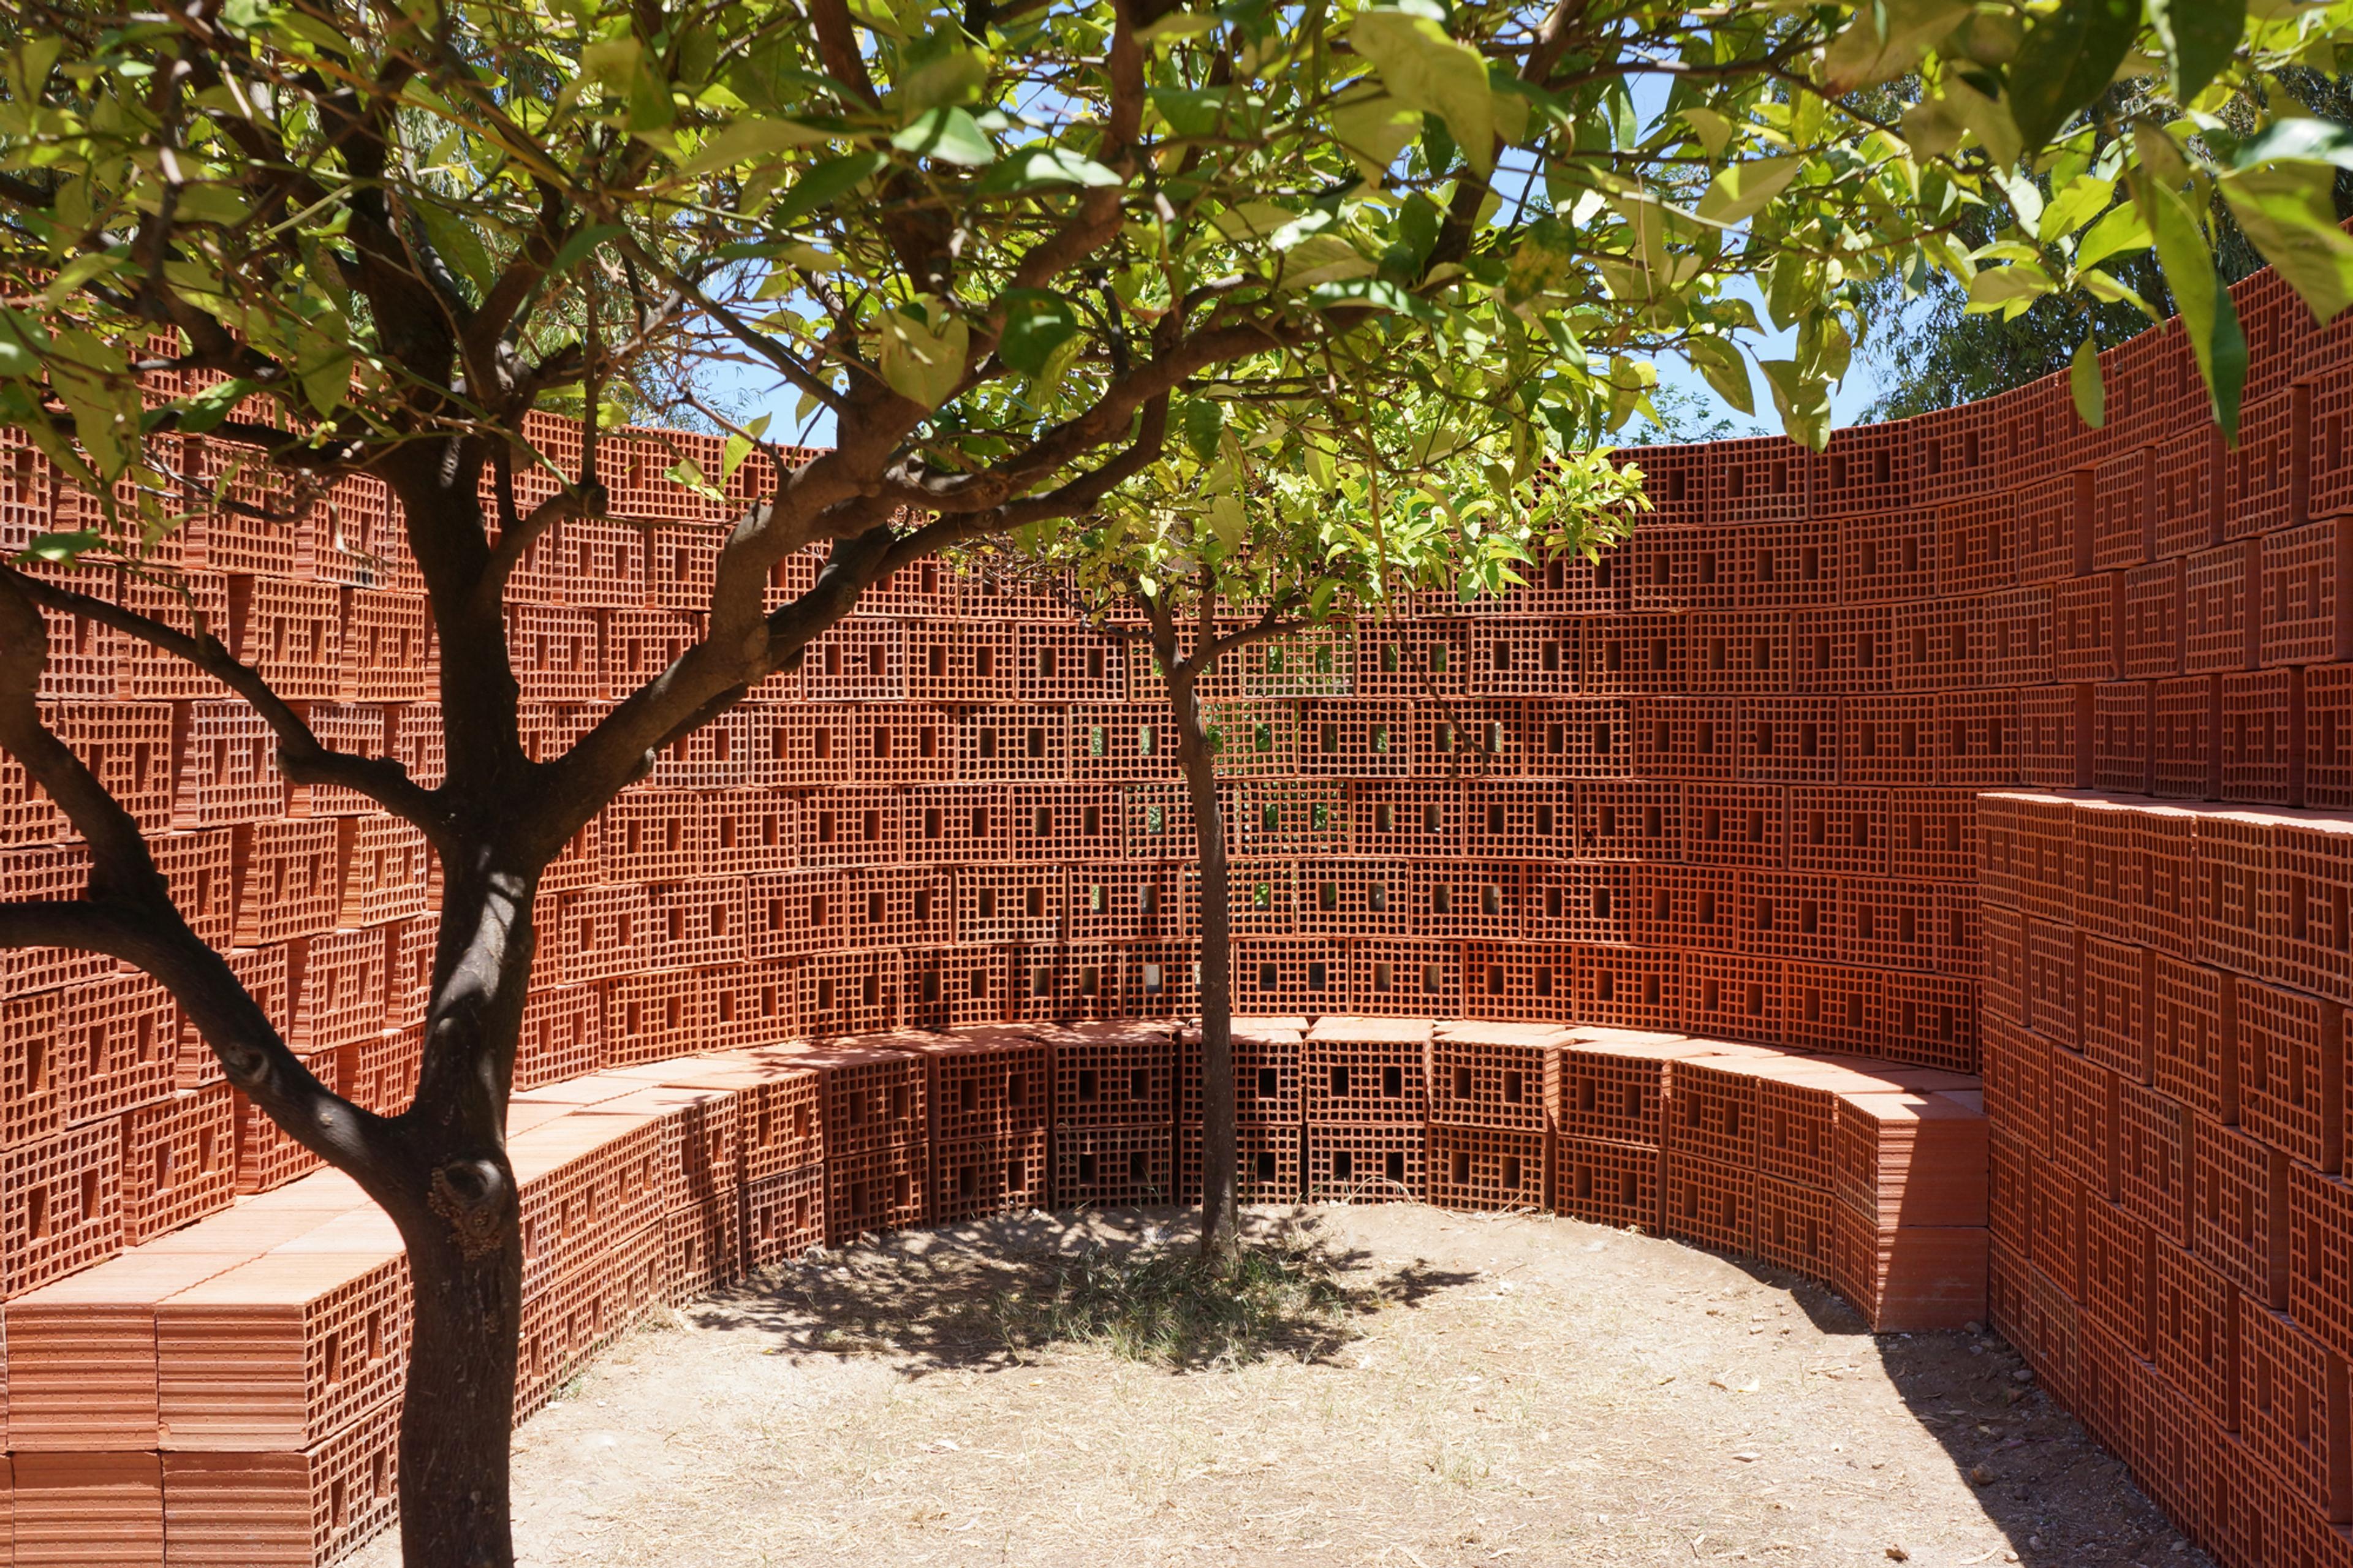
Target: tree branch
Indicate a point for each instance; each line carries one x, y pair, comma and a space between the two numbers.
523, 274
305, 758
1099, 424
1270, 624
1096, 219
129, 915
516, 538
837, 47
710, 678
1084, 492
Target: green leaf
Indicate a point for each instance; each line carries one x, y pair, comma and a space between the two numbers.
923, 364
2083, 381
202, 411
2228, 381
750, 138
1227, 520
22, 339
1506, 95
687, 474
1180, 25
1742, 190
2120, 230
1036, 324
2105, 286
1428, 70
1033, 166
326, 380
1998, 287
1804, 402
2288, 211
453, 237
1720, 362
2302, 138
611, 62
1204, 420
2071, 209
827, 182
1376, 294
1374, 130
1712, 130
651, 105
28, 72
575, 249
1251, 220
1862, 55
950, 77
2208, 317
1322, 259
1989, 118
2197, 38
1932, 128
1203, 112
950, 135
2025, 198
2068, 56
61, 546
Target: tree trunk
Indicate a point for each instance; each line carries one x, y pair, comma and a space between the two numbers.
459, 1208
1220, 1207
457, 1425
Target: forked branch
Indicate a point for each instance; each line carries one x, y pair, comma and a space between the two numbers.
305, 758
128, 915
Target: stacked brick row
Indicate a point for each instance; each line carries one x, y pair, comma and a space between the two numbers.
2164, 1072
116, 1125
1866, 1174
229, 1393
1115, 1131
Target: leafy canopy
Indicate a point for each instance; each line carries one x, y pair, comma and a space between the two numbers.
1009, 248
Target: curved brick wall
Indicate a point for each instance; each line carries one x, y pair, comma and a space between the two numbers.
1718, 802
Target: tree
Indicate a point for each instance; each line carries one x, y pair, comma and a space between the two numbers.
2214, 186
1251, 532
994, 244
1949, 354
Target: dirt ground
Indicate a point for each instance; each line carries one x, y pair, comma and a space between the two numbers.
1521, 1390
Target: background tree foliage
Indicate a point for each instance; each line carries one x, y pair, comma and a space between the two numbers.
1088, 275
1931, 351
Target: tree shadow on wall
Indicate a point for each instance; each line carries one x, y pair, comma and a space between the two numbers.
2061, 1499
992, 1295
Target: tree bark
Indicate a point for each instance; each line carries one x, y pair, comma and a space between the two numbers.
459, 1208
1220, 1204
458, 1417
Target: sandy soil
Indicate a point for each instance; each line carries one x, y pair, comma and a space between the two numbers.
1521, 1390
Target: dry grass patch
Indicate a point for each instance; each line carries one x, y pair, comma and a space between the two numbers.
1285, 1294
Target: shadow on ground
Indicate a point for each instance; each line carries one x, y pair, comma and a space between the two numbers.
1006, 1293
996, 1294
2030, 1462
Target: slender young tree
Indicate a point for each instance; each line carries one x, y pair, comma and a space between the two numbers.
987, 246
1258, 533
